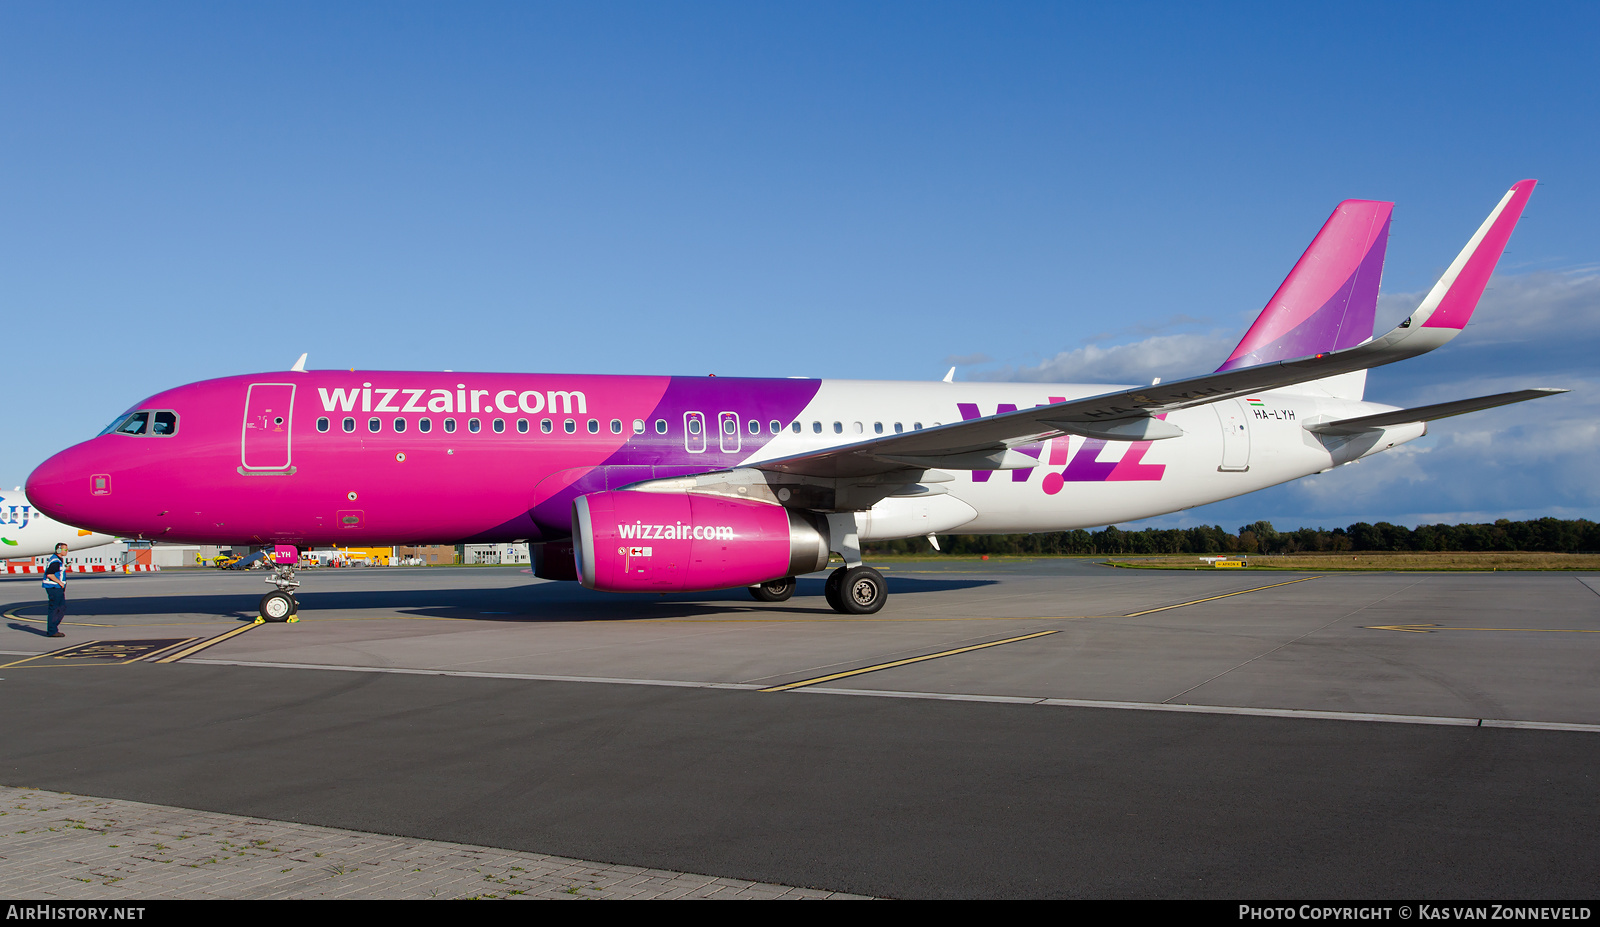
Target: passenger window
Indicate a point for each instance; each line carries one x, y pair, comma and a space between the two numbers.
661, 426
474, 426
857, 427
499, 426
877, 428
544, 425
816, 428
594, 426
838, 428
323, 424
898, 428
616, 426
424, 425
399, 426
166, 424
569, 426
775, 426
449, 426
522, 426
348, 425
755, 427
135, 424
916, 426
638, 426
373, 425
794, 427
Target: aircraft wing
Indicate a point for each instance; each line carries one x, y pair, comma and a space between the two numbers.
1131, 415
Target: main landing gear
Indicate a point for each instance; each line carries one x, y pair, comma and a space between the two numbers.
778, 590
280, 604
856, 590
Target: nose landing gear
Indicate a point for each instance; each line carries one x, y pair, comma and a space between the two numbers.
281, 605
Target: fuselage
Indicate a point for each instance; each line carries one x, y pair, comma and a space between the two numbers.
351, 457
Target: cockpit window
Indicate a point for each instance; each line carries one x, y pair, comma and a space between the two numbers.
162, 423
115, 424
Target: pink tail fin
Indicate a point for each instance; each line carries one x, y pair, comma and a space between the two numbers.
1328, 302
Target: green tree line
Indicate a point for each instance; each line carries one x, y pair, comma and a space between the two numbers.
1551, 535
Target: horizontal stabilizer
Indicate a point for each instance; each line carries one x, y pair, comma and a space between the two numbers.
1355, 426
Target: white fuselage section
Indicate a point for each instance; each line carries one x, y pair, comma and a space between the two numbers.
1227, 448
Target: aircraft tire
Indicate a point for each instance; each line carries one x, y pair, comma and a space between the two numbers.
862, 591
278, 606
778, 590
830, 589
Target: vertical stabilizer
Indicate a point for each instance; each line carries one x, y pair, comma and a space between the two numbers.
1330, 299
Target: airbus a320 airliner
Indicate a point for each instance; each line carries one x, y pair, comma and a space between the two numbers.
671, 484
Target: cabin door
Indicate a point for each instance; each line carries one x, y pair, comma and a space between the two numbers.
1235, 436
268, 412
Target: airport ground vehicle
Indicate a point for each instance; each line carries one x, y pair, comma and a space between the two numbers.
646, 483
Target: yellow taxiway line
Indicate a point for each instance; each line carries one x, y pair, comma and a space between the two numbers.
12, 614
883, 666
1151, 611
191, 651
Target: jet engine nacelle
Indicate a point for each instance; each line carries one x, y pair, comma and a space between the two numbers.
631, 541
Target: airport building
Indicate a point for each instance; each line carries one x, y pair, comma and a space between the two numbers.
495, 553
117, 554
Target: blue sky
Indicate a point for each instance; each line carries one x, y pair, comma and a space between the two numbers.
1104, 192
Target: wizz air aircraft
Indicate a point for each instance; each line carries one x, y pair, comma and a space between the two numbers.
684, 484
25, 532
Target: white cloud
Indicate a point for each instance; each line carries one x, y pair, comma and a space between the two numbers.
1554, 310
1166, 356
1526, 307
1527, 460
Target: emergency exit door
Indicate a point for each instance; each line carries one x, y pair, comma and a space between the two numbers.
268, 412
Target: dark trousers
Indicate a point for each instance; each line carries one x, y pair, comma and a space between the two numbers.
58, 607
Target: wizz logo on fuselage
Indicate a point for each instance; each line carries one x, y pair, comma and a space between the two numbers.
1083, 466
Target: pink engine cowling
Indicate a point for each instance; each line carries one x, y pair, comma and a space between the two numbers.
630, 541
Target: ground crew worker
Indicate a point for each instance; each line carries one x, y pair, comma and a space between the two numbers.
55, 586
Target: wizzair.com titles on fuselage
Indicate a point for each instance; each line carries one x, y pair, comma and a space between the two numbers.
460, 400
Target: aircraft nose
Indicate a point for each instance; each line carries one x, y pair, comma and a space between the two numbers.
62, 486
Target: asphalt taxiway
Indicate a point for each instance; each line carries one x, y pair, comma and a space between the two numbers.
1045, 728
